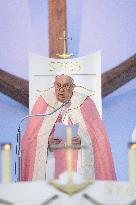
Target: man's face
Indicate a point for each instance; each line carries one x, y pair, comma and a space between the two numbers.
63, 87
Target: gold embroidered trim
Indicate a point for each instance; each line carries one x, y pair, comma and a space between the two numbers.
93, 92
45, 90
77, 86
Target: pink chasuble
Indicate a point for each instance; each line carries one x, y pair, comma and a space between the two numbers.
103, 162
29, 140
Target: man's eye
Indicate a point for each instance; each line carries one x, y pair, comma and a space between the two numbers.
58, 85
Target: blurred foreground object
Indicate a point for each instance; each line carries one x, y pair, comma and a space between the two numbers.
132, 157
6, 157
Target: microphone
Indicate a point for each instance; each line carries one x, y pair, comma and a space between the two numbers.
66, 102
46, 114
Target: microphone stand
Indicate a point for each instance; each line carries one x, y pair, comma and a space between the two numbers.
19, 151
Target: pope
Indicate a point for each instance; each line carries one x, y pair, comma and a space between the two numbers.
92, 161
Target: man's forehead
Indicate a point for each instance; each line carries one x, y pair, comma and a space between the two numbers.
63, 79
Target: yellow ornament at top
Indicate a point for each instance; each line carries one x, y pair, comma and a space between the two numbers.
64, 55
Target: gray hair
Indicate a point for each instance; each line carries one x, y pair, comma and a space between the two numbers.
72, 80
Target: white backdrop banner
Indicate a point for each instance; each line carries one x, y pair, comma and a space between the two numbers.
86, 72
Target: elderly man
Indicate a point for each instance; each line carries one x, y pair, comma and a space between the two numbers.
93, 160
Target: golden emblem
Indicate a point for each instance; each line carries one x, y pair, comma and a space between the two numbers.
64, 55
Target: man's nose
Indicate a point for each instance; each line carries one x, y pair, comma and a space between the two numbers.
61, 89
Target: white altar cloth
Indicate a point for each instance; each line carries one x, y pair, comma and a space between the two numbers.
41, 193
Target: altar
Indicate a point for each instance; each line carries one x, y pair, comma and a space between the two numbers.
42, 193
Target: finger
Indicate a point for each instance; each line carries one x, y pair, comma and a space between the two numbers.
74, 139
57, 141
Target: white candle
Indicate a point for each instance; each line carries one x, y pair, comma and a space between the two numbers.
132, 162
69, 155
132, 157
6, 163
